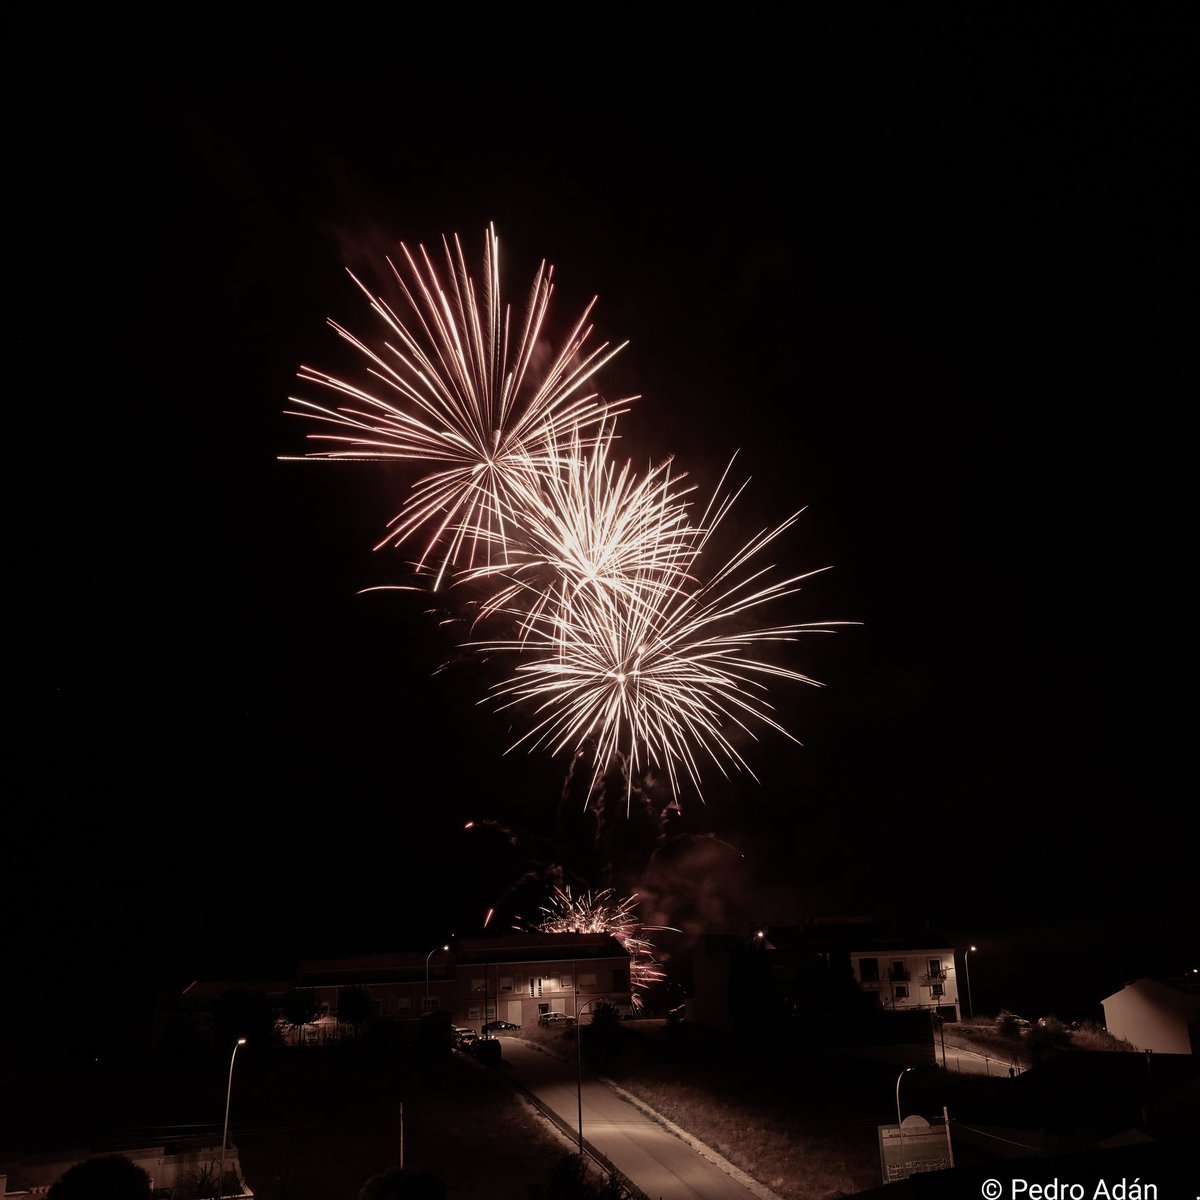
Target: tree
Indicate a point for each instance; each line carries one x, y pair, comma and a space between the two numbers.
114, 1177
354, 1007
299, 1007
601, 1037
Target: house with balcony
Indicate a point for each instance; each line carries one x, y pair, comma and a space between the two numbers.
908, 973
821, 967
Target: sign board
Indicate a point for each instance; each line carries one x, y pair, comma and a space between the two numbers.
923, 1147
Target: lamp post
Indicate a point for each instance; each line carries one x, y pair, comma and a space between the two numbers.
967, 964
899, 1123
579, 1066
225, 1131
427, 958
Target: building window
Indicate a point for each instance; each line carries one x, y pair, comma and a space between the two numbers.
587, 979
620, 979
535, 982
899, 970
868, 970
938, 989
506, 985
902, 991
477, 985
473, 1013
404, 1002
429, 1003
935, 967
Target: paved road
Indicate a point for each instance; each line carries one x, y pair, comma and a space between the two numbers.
661, 1164
968, 1062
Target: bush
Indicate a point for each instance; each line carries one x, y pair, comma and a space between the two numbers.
1048, 1034
114, 1177
1007, 1024
1091, 1035
572, 1179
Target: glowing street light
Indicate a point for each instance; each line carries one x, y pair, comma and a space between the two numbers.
427, 958
225, 1132
899, 1123
967, 964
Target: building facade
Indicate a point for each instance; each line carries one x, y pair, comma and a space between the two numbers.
1156, 1014
513, 978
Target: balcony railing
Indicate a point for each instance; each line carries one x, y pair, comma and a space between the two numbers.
934, 977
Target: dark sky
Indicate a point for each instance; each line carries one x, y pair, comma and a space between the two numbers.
934, 283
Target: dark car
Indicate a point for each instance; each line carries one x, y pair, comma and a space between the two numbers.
499, 1027
555, 1019
465, 1038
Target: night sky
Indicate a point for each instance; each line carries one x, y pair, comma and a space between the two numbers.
934, 284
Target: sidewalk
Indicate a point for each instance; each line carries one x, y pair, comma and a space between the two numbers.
660, 1159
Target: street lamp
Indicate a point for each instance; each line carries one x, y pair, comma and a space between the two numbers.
579, 1065
427, 958
225, 1132
967, 964
899, 1123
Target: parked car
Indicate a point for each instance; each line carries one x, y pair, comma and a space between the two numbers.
499, 1027
555, 1019
465, 1038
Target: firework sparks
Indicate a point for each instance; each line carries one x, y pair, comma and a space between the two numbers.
591, 526
455, 386
652, 678
603, 913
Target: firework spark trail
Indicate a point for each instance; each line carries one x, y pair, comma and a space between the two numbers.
602, 913
655, 678
589, 525
459, 391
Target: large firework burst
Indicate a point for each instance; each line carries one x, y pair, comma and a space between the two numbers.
455, 386
653, 675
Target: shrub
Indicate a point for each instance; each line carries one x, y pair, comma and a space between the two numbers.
1007, 1024
1048, 1034
1091, 1035
114, 1177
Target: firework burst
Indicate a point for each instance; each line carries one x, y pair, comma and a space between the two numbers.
601, 912
658, 677
590, 526
455, 386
